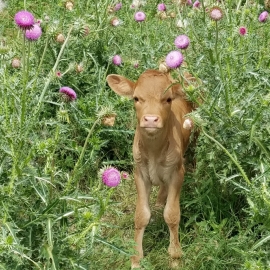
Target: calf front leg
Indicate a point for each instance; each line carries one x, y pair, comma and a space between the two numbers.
172, 214
142, 217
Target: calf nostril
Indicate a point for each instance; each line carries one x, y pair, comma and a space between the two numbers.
151, 118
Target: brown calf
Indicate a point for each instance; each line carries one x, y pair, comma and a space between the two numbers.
159, 145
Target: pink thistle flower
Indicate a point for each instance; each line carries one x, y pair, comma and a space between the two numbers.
139, 16
216, 13
118, 6
263, 16
161, 7
58, 74
117, 60
174, 59
182, 42
34, 33
39, 21
189, 2
242, 31
196, 4
136, 64
115, 21
68, 93
24, 19
111, 177
124, 175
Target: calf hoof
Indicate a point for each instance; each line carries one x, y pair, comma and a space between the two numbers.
175, 252
174, 264
135, 262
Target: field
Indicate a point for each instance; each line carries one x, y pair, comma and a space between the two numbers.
61, 128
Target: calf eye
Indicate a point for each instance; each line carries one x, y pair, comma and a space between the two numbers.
136, 99
169, 100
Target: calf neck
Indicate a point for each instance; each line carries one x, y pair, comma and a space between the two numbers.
159, 145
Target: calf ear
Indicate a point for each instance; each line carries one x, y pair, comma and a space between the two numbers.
121, 85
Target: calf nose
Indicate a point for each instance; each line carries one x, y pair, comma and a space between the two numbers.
150, 120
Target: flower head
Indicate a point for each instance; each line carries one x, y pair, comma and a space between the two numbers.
139, 16
108, 120
161, 7
182, 42
242, 31
16, 63
117, 7
163, 67
136, 64
216, 13
69, 5
196, 4
2, 6
60, 38
263, 16
137, 3
34, 33
111, 177
188, 124
182, 23
24, 19
79, 68
124, 175
58, 74
174, 59
68, 93
189, 2
115, 21
117, 60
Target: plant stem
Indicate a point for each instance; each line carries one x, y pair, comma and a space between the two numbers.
227, 95
49, 78
73, 181
234, 160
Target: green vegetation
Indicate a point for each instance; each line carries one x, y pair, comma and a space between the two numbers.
55, 211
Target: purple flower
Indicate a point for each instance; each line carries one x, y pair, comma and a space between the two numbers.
174, 59
242, 30
34, 33
161, 7
139, 16
117, 6
124, 175
182, 42
111, 177
68, 93
136, 64
24, 19
263, 16
216, 13
117, 60
189, 2
196, 4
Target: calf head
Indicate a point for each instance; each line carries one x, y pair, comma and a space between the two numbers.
152, 94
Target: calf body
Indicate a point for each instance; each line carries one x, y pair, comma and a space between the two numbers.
159, 145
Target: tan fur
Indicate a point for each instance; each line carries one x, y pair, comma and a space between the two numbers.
159, 145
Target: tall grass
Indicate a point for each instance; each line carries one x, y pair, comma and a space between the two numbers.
56, 213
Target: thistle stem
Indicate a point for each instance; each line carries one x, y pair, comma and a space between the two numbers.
227, 95
234, 160
73, 181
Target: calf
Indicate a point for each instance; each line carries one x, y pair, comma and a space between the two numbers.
159, 145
